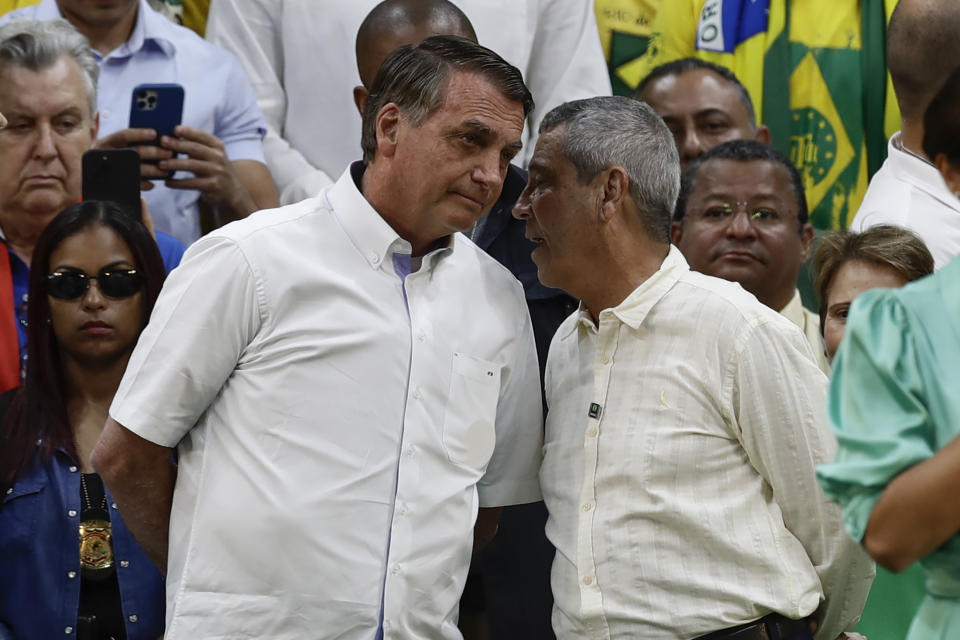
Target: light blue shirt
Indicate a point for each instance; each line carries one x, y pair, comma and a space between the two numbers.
218, 98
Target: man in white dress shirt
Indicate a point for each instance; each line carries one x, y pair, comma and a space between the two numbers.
685, 418
347, 382
908, 191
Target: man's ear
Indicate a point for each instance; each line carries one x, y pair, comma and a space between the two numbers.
615, 185
360, 95
763, 135
388, 129
676, 232
806, 241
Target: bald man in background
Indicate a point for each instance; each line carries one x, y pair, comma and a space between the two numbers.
294, 53
510, 578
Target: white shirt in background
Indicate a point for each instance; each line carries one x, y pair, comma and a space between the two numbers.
300, 56
909, 192
337, 425
678, 470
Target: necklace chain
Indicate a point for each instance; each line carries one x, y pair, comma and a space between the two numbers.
86, 494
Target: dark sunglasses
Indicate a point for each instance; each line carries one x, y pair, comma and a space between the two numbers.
113, 283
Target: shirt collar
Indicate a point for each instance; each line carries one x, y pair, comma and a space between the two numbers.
371, 234
150, 27
635, 307
918, 172
794, 311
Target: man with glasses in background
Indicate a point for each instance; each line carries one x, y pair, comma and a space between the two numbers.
742, 216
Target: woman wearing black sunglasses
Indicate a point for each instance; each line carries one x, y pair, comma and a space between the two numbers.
68, 565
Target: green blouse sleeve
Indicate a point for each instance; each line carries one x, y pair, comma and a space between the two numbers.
876, 407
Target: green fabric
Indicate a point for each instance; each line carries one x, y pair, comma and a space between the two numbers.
777, 68
893, 403
873, 63
892, 604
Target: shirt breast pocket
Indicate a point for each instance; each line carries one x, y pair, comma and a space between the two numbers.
469, 435
19, 512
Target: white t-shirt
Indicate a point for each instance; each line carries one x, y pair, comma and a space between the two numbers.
337, 425
909, 192
300, 56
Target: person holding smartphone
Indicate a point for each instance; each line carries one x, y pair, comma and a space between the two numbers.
48, 78
215, 155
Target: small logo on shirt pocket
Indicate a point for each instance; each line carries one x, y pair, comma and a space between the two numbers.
469, 435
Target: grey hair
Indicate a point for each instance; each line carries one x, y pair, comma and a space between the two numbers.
614, 131
37, 45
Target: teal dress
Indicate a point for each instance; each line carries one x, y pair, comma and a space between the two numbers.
894, 401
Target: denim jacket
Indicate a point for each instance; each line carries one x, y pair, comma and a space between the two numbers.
40, 559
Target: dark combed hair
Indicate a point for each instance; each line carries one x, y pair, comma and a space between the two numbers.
39, 405
685, 65
415, 79
885, 245
742, 151
941, 122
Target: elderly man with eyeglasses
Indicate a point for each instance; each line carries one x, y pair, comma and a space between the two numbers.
742, 216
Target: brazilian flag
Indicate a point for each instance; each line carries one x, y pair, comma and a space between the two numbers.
625, 27
817, 75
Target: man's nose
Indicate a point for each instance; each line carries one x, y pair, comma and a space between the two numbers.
521, 210
692, 146
45, 146
488, 170
740, 224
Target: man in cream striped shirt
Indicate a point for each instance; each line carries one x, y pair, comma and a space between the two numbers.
685, 418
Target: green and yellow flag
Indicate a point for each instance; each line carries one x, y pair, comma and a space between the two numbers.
625, 28
816, 73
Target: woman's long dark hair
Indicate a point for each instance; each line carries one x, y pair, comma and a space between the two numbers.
39, 405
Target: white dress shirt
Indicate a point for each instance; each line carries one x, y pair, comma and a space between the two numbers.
300, 56
909, 192
338, 425
678, 470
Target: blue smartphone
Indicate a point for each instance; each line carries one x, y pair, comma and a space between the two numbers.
156, 106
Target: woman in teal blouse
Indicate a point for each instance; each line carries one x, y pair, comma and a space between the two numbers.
895, 408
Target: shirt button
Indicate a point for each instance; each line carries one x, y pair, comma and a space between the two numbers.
124, 563
132, 618
72, 513
411, 450
588, 581
68, 630
10, 490
71, 574
592, 432
417, 393
605, 359
374, 258
73, 469
421, 336
396, 569
105, 113
113, 505
587, 506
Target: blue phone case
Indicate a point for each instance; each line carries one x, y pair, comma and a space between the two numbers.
156, 106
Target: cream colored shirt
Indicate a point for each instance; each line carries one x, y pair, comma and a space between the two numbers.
678, 470
809, 323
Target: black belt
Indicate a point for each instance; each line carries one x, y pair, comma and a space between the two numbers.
770, 627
